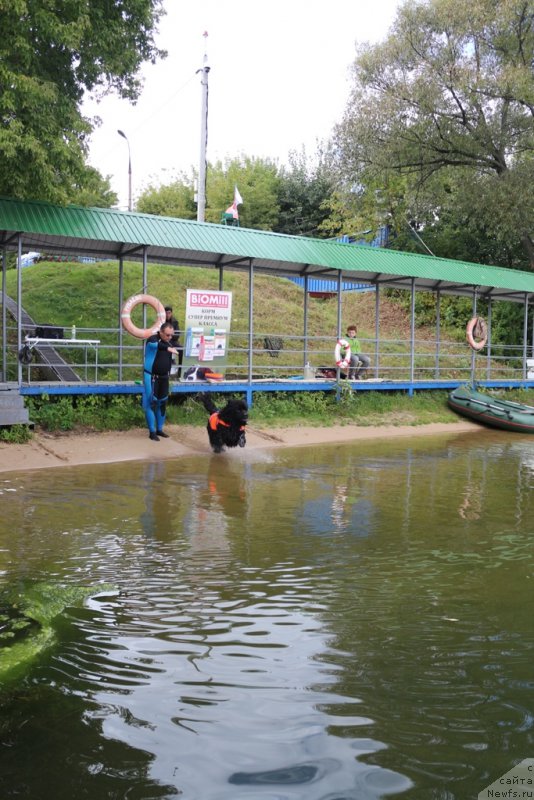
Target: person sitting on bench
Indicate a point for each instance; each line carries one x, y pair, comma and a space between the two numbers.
359, 362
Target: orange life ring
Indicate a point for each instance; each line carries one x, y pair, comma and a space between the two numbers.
128, 307
342, 361
477, 327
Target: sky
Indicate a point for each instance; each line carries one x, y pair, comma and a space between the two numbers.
279, 81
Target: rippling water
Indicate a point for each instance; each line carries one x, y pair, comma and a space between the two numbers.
333, 624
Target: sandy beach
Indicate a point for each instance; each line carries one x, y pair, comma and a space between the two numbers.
47, 450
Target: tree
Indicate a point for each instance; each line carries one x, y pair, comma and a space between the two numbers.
95, 190
286, 200
451, 92
172, 200
258, 184
51, 53
306, 186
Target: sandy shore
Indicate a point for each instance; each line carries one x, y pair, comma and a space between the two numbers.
53, 450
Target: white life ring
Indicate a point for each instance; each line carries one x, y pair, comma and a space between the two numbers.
477, 327
342, 361
128, 307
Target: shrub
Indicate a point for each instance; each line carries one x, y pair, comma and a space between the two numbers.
15, 434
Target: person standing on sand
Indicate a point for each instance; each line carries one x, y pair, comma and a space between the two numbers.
156, 369
359, 362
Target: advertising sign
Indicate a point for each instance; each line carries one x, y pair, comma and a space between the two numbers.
208, 317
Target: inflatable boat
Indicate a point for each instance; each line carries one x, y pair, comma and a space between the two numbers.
469, 402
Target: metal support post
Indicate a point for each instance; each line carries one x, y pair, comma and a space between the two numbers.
4, 315
438, 332
412, 332
19, 308
250, 317
121, 303
305, 355
525, 336
377, 328
488, 352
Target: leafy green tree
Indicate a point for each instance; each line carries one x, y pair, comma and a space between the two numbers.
172, 200
94, 190
451, 92
257, 180
258, 183
306, 187
51, 53
287, 200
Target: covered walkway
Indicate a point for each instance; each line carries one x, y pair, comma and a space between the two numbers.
103, 233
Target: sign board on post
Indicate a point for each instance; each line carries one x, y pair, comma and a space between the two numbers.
208, 316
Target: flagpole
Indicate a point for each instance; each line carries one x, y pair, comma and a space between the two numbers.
201, 197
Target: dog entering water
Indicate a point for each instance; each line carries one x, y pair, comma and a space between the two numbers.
226, 426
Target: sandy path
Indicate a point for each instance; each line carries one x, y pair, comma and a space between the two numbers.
52, 450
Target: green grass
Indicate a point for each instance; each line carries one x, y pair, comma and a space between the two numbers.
86, 295
100, 413
270, 409
86, 412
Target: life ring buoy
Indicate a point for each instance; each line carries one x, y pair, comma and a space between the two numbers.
342, 361
476, 327
128, 307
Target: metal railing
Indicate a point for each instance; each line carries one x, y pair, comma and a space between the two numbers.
96, 356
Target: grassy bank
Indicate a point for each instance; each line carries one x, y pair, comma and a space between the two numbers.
86, 295
116, 413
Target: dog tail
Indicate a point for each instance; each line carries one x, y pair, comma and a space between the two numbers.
207, 402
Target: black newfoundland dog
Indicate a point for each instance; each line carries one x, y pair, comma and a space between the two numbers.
226, 426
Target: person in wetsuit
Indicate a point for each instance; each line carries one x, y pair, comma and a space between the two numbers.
156, 369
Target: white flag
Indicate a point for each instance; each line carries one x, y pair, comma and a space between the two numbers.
237, 197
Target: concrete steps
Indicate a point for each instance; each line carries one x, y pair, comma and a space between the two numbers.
12, 411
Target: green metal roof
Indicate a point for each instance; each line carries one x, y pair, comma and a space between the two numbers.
109, 233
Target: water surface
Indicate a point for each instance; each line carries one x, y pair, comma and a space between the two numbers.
322, 624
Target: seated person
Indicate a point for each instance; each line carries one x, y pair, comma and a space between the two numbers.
359, 362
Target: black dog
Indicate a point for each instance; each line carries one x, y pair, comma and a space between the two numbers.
226, 427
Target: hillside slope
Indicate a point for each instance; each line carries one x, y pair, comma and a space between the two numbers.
86, 295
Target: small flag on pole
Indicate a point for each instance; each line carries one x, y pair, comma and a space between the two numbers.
237, 201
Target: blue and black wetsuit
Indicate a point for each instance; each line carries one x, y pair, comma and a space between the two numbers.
157, 366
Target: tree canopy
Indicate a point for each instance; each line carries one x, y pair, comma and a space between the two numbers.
51, 54
256, 178
290, 199
447, 101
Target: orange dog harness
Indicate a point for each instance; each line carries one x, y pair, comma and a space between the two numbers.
214, 421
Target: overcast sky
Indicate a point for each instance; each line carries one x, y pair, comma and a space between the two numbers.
278, 81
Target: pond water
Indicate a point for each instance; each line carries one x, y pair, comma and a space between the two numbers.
334, 623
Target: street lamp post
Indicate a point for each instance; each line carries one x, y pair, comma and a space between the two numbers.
121, 133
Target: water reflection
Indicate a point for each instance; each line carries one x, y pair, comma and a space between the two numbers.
349, 623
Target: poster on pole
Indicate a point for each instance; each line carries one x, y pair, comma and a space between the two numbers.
208, 316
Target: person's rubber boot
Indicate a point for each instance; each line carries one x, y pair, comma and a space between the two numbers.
154, 437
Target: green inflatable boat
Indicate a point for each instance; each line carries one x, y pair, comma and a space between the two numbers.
469, 402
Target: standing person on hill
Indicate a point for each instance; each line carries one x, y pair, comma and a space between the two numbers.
175, 341
359, 362
156, 369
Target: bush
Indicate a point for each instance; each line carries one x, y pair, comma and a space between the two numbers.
107, 412
15, 434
